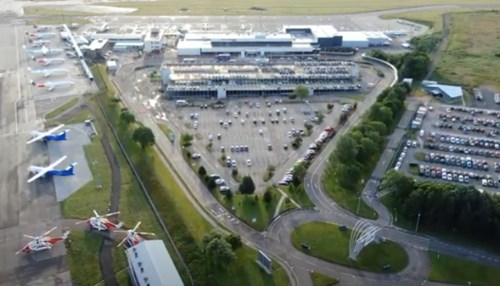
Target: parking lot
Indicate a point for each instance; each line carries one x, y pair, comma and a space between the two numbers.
253, 134
456, 144
53, 69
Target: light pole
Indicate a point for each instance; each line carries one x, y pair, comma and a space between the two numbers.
395, 215
418, 221
359, 204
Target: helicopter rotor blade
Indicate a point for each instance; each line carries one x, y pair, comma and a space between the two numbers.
121, 242
49, 231
136, 226
110, 214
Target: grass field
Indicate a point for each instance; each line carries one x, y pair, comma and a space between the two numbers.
472, 54
299, 195
277, 7
323, 280
83, 258
430, 18
329, 243
62, 108
453, 270
60, 15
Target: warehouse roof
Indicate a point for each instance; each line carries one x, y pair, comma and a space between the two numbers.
151, 263
451, 91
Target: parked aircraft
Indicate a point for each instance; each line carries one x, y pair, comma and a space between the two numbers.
48, 135
133, 236
101, 223
42, 28
49, 61
51, 85
43, 51
50, 171
49, 72
39, 43
42, 242
47, 35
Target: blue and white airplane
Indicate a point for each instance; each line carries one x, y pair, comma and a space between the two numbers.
48, 135
50, 171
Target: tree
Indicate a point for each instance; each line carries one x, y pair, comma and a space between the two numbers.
415, 65
301, 91
347, 150
268, 196
210, 182
144, 136
127, 117
329, 106
234, 240
186, 139
228, 195
218, 251
247, 186
202, 171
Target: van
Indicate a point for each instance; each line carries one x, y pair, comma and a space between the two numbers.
181, 102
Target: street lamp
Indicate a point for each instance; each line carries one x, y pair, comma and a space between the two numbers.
418, 221
359, 204
395, 215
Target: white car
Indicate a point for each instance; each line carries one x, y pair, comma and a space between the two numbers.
261, 132
223, 189
220, 182
196, 156
249, 163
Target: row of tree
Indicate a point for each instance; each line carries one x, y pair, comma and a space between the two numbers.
365, 142
445, 207
413, 65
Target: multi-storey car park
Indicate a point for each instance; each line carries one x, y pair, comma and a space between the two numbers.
264, 78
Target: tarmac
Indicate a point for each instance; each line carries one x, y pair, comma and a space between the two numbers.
73, 148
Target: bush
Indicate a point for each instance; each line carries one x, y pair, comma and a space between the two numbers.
234, 240
228, 195
268, 197
202, 171
329, 106
234, 172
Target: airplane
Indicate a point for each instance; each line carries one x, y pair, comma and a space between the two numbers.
51, 85
101, 223
42, 242
133, 236
48, 61
48, 135
43, 51
49, 72
41, 28
39, 43
47, 35
50, 171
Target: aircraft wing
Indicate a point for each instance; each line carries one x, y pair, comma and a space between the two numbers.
46, 169
40, 135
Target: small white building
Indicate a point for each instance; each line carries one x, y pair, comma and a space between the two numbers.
149, 264
112, 66
153, 40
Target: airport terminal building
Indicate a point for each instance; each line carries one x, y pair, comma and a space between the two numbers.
291, 40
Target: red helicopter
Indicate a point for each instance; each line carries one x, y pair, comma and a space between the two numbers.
42, 242
133, 236
101, 223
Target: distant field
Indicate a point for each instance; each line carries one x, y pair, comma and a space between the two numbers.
278, 7
430, 18
472, 56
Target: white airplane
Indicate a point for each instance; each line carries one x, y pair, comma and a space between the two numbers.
51, 85
49, 72
43, 51
48, 35
39, 43
50, 171
48, 135
48, 61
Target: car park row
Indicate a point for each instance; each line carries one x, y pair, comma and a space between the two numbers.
457, 175
311, 152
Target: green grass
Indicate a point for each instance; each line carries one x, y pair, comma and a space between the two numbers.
298, 194
83, 258
276, 7
419, 156
81, 203
323, 280
62, 108
448, 269
329, 243
247, 208
470, 57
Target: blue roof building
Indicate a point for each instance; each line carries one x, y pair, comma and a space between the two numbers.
447, 92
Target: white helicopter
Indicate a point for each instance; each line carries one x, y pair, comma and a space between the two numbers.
101, 223
133, 236
42, 242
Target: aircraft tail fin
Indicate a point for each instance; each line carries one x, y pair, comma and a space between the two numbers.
70, 170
